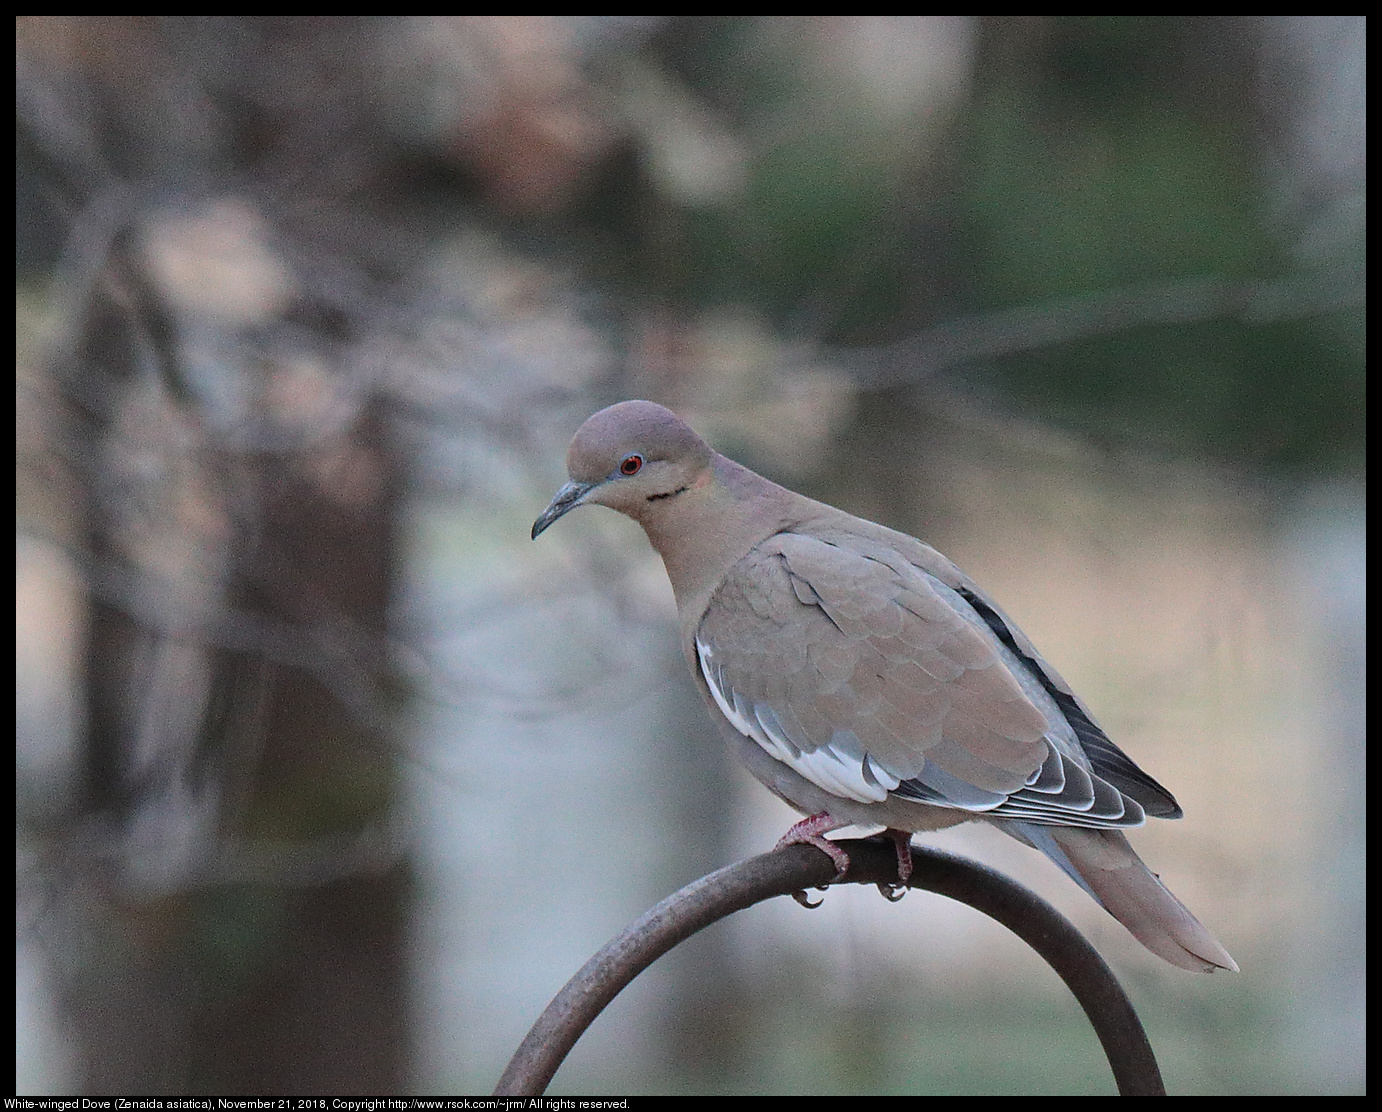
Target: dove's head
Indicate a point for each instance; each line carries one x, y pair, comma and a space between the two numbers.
630, 457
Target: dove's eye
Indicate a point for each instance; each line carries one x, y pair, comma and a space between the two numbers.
631, 465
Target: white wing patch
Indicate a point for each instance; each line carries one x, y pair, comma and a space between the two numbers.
851, 775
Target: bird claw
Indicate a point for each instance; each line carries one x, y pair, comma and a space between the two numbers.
802, 898
892, 892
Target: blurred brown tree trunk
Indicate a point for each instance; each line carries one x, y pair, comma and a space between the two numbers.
278, 966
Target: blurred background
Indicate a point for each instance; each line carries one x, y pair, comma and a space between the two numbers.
328, 778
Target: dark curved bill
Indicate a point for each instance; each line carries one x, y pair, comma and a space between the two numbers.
567, 498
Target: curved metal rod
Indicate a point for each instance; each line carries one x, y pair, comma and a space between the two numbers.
797, 867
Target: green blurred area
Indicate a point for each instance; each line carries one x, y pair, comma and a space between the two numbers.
1105, 156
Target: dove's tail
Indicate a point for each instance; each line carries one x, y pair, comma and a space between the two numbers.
1105, 865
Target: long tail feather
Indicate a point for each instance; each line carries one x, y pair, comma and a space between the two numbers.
1104, 864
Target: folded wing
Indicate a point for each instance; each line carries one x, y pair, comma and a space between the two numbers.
870, 676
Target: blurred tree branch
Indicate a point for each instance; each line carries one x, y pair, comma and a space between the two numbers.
1028, 328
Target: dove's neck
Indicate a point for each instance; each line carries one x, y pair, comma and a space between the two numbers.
704, 530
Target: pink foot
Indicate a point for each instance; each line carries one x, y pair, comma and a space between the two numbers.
810, 831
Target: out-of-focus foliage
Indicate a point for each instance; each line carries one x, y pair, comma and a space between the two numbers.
859, 181
1125, 153
1122, 171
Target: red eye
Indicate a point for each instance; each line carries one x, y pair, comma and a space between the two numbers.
631, 465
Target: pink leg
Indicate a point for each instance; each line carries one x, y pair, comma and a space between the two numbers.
902, 839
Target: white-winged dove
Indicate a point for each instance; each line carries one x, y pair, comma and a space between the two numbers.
865, 680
